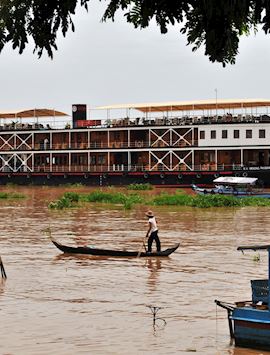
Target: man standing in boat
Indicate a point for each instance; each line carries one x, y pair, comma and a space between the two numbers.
152, 233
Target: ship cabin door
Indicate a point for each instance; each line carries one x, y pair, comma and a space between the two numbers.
261, 159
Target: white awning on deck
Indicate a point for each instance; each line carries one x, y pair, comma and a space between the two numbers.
36, 112
195, 105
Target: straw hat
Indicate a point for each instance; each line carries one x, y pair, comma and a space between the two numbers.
149, 214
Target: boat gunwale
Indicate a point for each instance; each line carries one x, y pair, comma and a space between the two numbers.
109, 252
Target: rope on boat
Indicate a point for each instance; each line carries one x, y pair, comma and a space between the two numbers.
3, 272
216, 326
229, 308
48, 232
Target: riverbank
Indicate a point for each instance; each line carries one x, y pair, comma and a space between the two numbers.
128, 198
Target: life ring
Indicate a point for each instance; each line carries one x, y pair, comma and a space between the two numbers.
85, 176
162, 176
9, 176
216, 175
198, 176
139, 144
145, 176
245, 174
105, 176
28, 176
49, 176
180, 176
236, 174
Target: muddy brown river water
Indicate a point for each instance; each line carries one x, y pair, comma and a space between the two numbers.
56, 304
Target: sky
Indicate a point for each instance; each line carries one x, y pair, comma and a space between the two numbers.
113, 63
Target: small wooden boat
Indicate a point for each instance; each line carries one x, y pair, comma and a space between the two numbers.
108, 252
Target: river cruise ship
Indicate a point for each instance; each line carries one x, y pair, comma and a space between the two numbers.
165, 144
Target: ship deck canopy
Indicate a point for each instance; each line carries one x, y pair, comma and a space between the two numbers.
235, 180
36, 112
196, 105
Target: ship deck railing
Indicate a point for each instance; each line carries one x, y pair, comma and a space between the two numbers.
100, 168
96, 145
190, 120
139, 122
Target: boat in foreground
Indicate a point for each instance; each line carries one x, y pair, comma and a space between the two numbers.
249, 321
115, 253
233, 186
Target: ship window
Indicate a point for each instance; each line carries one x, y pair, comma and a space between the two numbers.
82, 160
224, 134
249, 133
93, 159
213, 135
202, 134
101, 159
236, 133
74, 159
261, 133
117, 136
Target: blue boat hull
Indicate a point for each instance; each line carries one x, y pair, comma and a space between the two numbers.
228, 192
251, 328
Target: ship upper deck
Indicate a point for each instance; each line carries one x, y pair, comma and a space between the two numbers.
140, 122
174, 113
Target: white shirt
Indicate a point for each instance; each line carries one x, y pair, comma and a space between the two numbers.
153, 224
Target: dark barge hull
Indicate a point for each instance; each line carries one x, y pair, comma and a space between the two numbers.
174, 179
249, 324
251, 328
114, 253
252, 335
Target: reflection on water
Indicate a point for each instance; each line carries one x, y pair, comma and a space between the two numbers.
153, 265
243, 351
98, 305
2, 286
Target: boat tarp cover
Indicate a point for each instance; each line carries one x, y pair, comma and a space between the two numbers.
235, 180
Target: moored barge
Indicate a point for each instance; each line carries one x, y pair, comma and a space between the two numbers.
249, 321
165, 144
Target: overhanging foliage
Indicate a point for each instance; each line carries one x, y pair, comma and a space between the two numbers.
216, 25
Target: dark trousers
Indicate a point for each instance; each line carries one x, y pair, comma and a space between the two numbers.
153, 237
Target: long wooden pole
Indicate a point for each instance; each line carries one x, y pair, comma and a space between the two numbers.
142, 246
230, 323
3, 272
